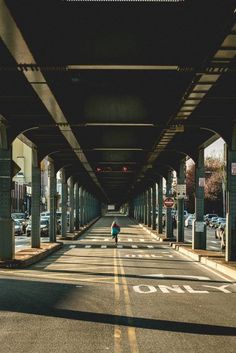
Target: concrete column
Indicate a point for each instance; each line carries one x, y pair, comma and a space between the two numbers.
154, 201
81, 191
35, 203
160, 205
230, 249
77, 206
145, 207
71, 196
149, 207
7, 239
180, 202
52, 204
199, 228
64, 197
169, 226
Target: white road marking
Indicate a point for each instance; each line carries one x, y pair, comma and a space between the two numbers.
103, 247
214, 242
87, 246
106, 239
150, 246
176, 288
72, 246
134, 246
141, 239
161, 275
94, 239
120, 246
129, 239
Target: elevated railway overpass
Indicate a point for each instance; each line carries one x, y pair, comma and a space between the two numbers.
116, 95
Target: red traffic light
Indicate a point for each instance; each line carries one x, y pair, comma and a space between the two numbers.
124, 169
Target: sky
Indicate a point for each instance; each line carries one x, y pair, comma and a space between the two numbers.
216, 149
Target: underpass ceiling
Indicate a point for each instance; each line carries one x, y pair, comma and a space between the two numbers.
119, 114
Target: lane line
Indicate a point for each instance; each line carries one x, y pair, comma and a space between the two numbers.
134, 246
150, 246
131, 330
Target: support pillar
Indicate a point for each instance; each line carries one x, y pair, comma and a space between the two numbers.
71, 196
180, 203
81, 202
230, 248
52, 204
160, 205
198, 227
35, 203
145, 207
154, 201
77, 206
7, 239
169, 223
149, 208
64, 197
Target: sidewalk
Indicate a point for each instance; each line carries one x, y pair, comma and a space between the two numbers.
29, 256
212, 259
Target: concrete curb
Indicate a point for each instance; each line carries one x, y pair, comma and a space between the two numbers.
27, 257
216, 264
157, 237
76, 235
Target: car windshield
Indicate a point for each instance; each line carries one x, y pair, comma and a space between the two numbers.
18, 215
44, 223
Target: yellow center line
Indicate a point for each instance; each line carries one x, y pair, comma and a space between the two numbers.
131, 330
117, 330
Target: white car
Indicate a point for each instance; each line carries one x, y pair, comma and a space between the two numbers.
189, 220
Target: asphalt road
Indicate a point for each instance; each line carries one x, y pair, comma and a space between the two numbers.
137, 297
23, 242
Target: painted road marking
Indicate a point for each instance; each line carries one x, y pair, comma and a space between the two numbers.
129, 239
150, 246
106, 239
144, 255
120, 246
180, 289
72, 246
214, 247
87, 246
161, 275
141, 239
103, 247
134, 246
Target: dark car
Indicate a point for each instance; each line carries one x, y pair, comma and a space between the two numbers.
208, 217
44, 228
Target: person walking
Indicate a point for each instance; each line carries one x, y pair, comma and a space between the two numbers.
115, 230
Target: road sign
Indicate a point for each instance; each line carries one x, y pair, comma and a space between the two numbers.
181, 191
169, 202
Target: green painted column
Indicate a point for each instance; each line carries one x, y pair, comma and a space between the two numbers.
169, 225
35, 197
199, 228
149, 208
81, 206
64, 198
230, 249
77, 206
154, 201
7, 239
180, 202
52, 203
160, 205
85, 207
71, 203
145, 208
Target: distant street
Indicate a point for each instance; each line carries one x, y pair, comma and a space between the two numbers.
139, 296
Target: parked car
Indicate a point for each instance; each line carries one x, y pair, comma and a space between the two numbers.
17, 227
213, 222
44, 228
219, 221
208, 217
189, 220
21, 217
